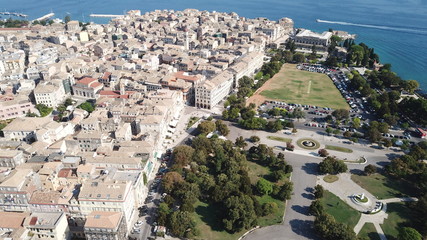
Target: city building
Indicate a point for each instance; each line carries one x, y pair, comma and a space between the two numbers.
105, 225
48, 226
210, 92
49, 94
306, 39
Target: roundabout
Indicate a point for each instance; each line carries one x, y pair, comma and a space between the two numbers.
308, 143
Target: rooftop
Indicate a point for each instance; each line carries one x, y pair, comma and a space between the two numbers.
98, 219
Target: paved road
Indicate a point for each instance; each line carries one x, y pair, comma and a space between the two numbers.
297, 223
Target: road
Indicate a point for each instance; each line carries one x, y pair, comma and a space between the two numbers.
297, 223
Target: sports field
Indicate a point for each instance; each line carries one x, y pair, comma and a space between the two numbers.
296, 86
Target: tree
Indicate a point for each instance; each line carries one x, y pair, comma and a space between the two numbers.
341, 114
239, 213
299, 58
254, 139
331, 165
43, 110
182, 155
163, 213
411, 86
323, 152
387, 142
222, 127
370, 169
407, 233
181, 224
67, 18
329, 130
347, 134
318, 191
274, 126
240, 142
336, 132
269, 208
356, 123
285, 191
316, 208
206, 127
264, 187
170, 179
87, 106
246, 81
313, 54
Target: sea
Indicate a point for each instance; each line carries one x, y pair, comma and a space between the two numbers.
396, 29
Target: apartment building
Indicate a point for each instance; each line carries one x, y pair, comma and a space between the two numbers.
11, 158
16, 107
211, 92
16, 190
48, 226
105, 225
108, 196
50, 94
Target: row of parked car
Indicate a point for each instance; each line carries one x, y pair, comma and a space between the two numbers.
315, 68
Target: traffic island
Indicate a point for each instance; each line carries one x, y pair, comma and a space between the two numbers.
308, 143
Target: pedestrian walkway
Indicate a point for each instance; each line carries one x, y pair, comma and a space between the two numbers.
345, 187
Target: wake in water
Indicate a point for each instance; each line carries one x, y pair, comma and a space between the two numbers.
399, 29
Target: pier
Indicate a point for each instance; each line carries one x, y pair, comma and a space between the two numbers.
106, 16
14, 14
49, 15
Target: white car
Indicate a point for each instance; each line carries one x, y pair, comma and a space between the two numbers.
138, 224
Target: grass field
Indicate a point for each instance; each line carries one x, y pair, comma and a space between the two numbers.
341, 211
398, 214
280, 139
295, 86
368, 231
382, 186
339, 149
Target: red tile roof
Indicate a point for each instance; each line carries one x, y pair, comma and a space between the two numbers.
86, 81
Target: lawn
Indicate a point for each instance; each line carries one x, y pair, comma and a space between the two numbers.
398, 214
339, 149
256, 171
274, 218
192, 121
280, 139
382, 186
341, 211
206, 221
330, 178
295, 86
368, 231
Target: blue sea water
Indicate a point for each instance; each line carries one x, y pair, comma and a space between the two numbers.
397, 29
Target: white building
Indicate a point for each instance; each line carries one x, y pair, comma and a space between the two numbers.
48, 226
305, 40
50, 94
108, 196
210, 92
